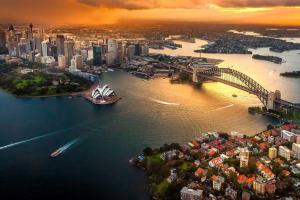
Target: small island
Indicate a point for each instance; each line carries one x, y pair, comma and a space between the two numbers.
273, 59
217, 165
34, 80
293, 74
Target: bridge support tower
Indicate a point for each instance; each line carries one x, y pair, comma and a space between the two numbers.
271, 100
195, 75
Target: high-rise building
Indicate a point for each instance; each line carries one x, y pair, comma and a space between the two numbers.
112, 49
296, 150
61, 61
90, 54
110, 58
60, 40
69, 51
284, 152
244, 157
289, 136
2, 39
37, 45
138, 50
259, 185
97, 55
13, 48
272, 152
78, 61
145, 50
244, 161
244, 152
131, 52
45, 48
84, 54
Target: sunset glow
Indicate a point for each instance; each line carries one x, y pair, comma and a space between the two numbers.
94, 12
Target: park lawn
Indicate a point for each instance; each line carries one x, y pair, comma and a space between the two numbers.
185, 166
161, 189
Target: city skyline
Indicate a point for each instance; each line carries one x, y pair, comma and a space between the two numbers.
94, 12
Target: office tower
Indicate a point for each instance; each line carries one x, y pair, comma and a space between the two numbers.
110, 58
145, 50
45, 48
120, 52
2, 39
53, 51
138, 50
112, 49
84, 54
22, 47
37, 45
13, 48
97, 54
60, 40
61, 61
78, 61
131, 51
69, 51
272, 152
90, 54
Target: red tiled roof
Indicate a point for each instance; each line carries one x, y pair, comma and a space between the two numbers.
200, 171
213, 177
242, 179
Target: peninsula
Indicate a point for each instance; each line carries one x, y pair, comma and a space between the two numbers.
293, 74
218, 165
273, 59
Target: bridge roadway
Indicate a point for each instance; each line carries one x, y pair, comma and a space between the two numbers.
262, 95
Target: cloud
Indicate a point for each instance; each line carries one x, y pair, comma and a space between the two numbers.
150, 4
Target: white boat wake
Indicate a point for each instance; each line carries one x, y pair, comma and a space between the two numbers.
39, 137
68, 145
164, 102
221, 108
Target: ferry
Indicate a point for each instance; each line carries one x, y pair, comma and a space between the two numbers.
56, 153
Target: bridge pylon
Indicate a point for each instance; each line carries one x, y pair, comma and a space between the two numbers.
272, 97
195, 75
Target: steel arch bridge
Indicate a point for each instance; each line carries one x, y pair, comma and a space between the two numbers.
235, 79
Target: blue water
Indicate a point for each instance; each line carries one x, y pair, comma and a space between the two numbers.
151, 113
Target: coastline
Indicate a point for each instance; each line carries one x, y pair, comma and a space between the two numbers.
194, 165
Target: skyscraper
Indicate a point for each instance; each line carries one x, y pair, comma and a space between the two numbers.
131, 51
112, 49
60, 40
61, 61
2, 39
97, 51
45, 48
78, 61
69, 51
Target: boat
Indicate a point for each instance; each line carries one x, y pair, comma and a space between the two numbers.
55, 153
234, 95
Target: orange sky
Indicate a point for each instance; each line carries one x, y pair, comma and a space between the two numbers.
281, 12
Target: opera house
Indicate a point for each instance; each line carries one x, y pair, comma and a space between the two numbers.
102, 92
102, 95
